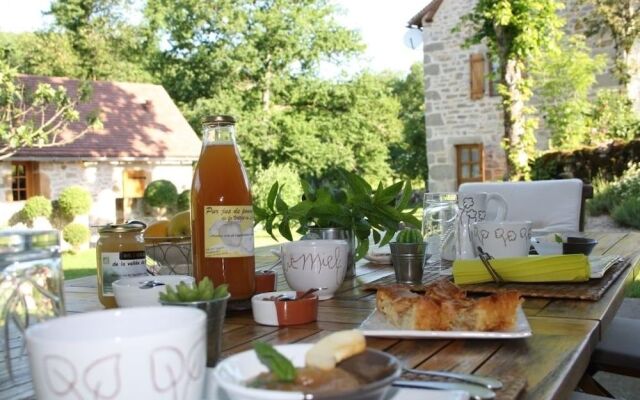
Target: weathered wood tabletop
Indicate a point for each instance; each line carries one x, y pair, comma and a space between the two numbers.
552, 361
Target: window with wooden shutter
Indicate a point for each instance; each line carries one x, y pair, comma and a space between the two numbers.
476, 62
25, 181
470, 163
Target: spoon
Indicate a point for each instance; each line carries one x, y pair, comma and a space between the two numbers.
283, 297
150, 284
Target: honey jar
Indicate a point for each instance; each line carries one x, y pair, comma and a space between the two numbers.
120, 252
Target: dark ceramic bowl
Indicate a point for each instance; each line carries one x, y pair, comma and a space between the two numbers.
578, 245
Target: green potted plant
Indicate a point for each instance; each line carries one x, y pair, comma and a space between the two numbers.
407, 255
350, 209
213, 301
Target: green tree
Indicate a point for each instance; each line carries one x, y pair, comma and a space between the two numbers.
409, 157
563, 79
41, 53
36, 116
257, 46
106, 45
515, 32
620, 18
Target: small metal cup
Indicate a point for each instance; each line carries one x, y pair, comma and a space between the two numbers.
408, 261
215, 310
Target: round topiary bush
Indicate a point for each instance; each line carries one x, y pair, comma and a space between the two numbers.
161, 193
184, 201
37, 206
75, 200
76, 234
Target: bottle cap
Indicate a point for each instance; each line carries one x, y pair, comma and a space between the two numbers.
219, 120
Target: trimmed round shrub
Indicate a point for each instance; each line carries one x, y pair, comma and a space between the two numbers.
184, 201
76, 234
161, 193
37, 206
75, 200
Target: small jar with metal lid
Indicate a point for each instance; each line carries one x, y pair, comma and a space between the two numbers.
120, 252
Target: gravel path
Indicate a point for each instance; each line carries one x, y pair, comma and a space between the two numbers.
605, 223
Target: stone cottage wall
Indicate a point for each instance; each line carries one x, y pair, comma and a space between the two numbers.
103, 179
451, 116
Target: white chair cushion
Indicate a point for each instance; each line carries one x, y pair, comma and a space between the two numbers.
552, 206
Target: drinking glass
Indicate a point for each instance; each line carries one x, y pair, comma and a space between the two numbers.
438, 230
31, 285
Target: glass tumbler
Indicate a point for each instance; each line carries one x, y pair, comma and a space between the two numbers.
31, 287
438, 230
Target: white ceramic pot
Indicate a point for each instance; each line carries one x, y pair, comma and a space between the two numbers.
130, 354
311, 264
129, 293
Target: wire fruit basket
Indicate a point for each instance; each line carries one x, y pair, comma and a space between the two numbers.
169, 255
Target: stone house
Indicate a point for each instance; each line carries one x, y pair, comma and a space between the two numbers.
463, 115
144, 138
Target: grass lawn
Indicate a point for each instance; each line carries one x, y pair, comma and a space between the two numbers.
634, 288
83, 263
79, 264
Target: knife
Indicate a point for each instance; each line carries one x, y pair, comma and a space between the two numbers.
475, 392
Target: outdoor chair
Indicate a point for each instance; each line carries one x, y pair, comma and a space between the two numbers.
618, 352
551, 206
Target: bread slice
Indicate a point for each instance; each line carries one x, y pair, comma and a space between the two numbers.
444, 307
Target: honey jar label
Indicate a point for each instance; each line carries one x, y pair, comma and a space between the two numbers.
228, 231
116, 265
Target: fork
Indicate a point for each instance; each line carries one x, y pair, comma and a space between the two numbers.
485, 257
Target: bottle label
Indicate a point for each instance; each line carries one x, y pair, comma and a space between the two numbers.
228, 231
122, 264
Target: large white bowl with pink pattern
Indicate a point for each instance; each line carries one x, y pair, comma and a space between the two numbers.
130, 354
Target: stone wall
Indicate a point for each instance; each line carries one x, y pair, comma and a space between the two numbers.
103, 179
451, 116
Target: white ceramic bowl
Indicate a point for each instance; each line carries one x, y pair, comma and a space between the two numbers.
546, 245
129, 294
376, 368
131, 354
311, 264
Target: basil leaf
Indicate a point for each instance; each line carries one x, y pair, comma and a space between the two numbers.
278, 365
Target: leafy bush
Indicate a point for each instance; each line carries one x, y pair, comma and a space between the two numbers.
184, 201
76, 234
36, 206
620, 198
628, 212
284, 174
613, 117
633, 290
75, 200
161, 193
608, 162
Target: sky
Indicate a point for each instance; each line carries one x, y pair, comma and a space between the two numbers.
381, 23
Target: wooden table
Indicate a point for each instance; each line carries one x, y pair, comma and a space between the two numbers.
552, 361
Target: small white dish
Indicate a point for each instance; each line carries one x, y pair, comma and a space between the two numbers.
267, 311
129, 292
546, 245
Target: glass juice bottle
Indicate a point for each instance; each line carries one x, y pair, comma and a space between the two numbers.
222, 212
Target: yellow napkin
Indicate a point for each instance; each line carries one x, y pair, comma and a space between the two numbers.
555, 268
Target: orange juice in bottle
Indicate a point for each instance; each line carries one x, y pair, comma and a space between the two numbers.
222, 213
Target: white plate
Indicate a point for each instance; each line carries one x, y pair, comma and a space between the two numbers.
377, 325
379, 255
215, 392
